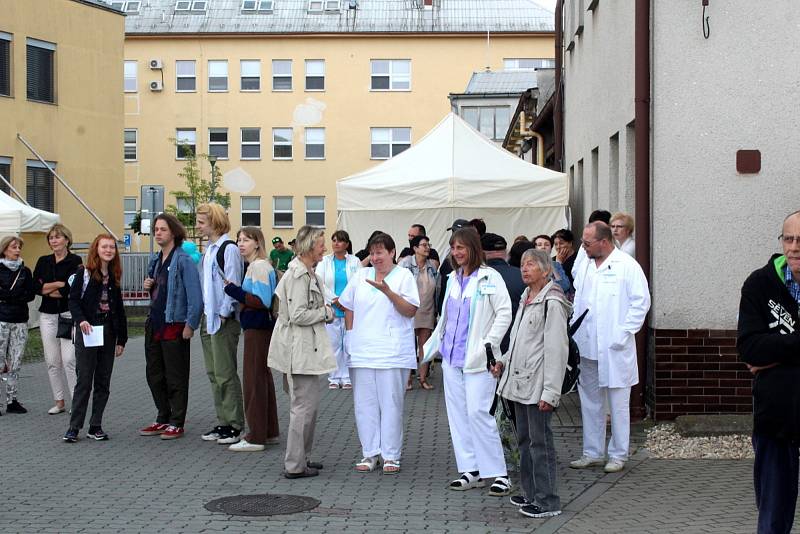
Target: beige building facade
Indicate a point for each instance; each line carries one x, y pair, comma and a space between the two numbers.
289, 111
60, 66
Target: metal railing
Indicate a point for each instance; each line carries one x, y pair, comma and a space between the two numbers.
134, 271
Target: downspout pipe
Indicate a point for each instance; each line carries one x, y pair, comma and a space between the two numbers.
642, 182
558, 95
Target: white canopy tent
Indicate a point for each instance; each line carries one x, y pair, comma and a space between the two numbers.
453, 172
16, 217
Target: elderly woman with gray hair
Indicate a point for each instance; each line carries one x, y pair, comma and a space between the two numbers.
300, 348
531, 374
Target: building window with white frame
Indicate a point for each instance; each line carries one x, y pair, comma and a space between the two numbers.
185, 143
131, 141
315, 211
5, 172
40, 186
5, 63
251, 211
129, 208
251, 143
256, 6
315, 75
281, 143
41, 73
389, 142
183, 204
281, 74
191, 5
217, 75
129, 6
315, 143
282, 212
491, 121
250, 73
131, 82
185, 76
390, 75
521, 63
218, 142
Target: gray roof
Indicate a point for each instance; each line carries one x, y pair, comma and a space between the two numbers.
371, 16
501, 82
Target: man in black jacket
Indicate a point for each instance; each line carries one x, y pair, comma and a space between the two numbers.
494, 247
769, 342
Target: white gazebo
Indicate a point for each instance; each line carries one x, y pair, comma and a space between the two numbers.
16, 217
453, 172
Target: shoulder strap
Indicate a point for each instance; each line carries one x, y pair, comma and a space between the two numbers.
221, 254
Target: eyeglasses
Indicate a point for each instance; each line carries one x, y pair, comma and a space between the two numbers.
789, 239
587, 244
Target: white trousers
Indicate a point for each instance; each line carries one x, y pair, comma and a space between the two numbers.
594, 401
378, 396
476, 441
336, 332
59, 355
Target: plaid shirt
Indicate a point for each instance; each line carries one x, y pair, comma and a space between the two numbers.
791, 284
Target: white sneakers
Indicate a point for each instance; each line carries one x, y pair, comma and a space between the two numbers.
245, 446
55, 410
614, 465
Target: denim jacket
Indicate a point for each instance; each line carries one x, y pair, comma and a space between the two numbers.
184, 296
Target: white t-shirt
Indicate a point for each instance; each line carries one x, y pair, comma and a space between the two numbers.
381, 337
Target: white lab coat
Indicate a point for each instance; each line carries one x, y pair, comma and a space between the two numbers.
618, 299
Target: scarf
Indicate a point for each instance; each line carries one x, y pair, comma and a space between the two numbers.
13, 265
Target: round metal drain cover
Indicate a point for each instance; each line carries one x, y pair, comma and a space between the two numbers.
262, 505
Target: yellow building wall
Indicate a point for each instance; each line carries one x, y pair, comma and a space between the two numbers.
82, 131
439, 65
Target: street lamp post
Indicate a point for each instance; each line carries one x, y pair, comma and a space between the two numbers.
213, 161
152, 192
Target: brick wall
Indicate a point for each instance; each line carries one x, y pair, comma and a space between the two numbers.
698, 371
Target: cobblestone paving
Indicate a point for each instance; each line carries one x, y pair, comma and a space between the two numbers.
137, 484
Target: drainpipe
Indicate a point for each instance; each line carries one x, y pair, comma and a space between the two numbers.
558, 96
642, 181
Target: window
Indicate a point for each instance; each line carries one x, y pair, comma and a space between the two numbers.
390, 74
40, 188
490, 121
217, 76
190, 5
281, 74
186, 80
388, 142
315, 211
131, 153
315, 143
183, 204
41, 70
130, 6
251, 143
129, 207
5, 64
218, 142
282, 214
5, 172
315, 75
252, 6
315, 6
528, 63
251, 211
250, 70
186, 143
281, 143
130, 77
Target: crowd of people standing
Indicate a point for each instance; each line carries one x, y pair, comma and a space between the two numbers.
496, 318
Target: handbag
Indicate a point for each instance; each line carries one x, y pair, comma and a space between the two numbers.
64, 328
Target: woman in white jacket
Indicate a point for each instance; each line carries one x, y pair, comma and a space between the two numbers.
335, 270
476, 312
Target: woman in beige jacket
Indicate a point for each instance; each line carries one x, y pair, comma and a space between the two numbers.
300, 348
531, 374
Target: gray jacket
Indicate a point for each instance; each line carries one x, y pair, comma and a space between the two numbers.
535, 363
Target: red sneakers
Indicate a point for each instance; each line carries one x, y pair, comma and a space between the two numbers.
154, 430
172, 432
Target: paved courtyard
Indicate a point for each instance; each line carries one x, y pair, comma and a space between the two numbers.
137, 484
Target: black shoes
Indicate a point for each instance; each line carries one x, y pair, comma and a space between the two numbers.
97, 434
15, 407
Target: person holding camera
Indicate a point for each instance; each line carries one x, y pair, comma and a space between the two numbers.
531, 374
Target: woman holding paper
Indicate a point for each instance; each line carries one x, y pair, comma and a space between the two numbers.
95, 302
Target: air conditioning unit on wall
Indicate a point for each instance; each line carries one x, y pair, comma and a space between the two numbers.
156, 64
156, 86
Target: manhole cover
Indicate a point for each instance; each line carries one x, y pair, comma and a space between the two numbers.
261, 505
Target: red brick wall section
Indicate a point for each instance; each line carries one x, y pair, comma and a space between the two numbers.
699, 371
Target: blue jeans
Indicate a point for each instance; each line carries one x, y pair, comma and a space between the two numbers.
537, 456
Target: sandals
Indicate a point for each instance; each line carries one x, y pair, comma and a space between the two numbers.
424, 384
333, 385
391, 467
347, 386
367, 465
467, 481
500, 487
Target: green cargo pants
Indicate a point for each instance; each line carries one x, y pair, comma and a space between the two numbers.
219, 353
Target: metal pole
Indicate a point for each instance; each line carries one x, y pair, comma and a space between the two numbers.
68, 188
11, 187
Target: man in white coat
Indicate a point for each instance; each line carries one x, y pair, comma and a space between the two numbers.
612, 286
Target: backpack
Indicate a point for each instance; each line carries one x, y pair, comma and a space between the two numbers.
220, 258
573, 371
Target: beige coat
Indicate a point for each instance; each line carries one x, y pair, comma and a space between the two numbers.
536, 360
300, 343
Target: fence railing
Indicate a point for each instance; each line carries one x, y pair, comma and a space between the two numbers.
134, 271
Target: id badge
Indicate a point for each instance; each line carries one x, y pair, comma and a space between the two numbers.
488, 289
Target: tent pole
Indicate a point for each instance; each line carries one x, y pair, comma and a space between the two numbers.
68, 188
11, 187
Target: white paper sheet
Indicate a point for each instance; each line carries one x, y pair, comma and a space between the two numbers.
95, 339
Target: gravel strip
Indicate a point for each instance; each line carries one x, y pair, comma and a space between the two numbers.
663, 441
